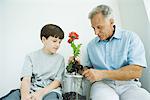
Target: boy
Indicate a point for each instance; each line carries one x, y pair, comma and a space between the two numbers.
42, 70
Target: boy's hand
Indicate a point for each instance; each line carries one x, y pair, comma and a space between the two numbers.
26, 97
71, 58
38, 95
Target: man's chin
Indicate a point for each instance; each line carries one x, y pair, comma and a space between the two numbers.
102, 38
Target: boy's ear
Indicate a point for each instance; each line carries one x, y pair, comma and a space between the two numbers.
43, 39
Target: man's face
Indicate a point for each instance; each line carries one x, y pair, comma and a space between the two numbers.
51, 44
103, 27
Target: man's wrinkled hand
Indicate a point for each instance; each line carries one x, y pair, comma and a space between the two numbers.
93, 75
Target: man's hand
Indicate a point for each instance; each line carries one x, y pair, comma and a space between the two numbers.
93, 75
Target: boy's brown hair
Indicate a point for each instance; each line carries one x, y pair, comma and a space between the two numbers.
52, 30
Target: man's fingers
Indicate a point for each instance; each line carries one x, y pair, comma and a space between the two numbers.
85, 72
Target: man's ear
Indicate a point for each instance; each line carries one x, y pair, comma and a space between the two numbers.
112, 21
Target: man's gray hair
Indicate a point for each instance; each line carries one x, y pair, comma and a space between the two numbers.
105, 10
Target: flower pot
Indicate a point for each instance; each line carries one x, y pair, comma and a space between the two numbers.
75, 87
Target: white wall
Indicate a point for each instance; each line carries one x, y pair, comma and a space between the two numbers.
147, 7
134, 17
21, 21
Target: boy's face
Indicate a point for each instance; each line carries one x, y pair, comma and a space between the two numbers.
51, 44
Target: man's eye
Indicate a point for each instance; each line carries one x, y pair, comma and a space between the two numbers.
99, 27
54, 41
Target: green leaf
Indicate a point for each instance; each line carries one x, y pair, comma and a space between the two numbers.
73, 46
69, 67
77, 50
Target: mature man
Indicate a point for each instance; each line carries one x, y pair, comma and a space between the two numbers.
117, 57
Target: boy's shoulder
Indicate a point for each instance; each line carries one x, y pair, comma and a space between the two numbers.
39, 52
60, 56
34, 52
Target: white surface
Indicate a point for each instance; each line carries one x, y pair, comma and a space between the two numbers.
73, 75
147, 7
21, 22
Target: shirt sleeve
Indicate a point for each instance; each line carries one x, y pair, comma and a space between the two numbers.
27, 67
60, 71
136, 54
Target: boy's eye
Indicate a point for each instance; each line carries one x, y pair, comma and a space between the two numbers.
54, 41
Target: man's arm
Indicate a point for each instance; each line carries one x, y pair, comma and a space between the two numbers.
25, 88
124, 73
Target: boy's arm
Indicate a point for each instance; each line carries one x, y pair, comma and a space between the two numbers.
55, 84
40, 93
25, 88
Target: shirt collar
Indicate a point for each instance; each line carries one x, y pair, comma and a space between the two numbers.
116, 35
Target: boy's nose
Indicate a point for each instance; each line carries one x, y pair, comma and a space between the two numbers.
57, 44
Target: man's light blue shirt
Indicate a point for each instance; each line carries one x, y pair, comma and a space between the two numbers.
122, 49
